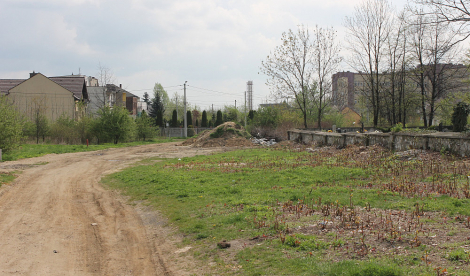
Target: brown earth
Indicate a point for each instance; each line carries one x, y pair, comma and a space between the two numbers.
228, 139
57, 219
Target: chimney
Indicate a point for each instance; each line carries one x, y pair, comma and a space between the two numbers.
32, 74
120, 85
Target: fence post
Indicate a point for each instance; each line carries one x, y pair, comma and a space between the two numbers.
0, 155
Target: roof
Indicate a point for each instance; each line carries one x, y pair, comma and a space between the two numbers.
117, 89
75, 84
7, 84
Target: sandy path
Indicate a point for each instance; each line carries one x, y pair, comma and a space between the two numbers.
56, 219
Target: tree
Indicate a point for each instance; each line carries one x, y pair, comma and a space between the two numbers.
231, 114
144, 126
174, 119
460, 116
433, 48
158, 104
368, 31
290, 68
11, 125
146, 99
325, 63
456, 12
204, 119
219, 120
189, 118
105, 77
251, 114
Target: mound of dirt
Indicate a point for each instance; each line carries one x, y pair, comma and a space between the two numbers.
227, 134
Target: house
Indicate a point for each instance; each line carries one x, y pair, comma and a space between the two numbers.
351, 117
52, 97
111, 95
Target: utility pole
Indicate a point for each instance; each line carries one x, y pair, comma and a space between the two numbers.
235, 104
184, 114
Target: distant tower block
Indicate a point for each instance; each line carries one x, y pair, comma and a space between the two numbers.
249, 94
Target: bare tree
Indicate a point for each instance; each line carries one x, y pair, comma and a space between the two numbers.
325, 62
368, 33
434, 47
290, 68
451, 11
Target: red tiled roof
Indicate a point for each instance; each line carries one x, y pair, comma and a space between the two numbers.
7, 84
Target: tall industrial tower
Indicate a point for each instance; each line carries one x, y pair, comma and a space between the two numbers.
249, 94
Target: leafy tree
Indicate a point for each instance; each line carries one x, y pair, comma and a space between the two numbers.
144, 127
11, 125
113, 124
231, 114
267, 117
460, 116
174, 119
251, 114
158, 104
64, 130
189, 118
159, 120
204, 119
219, 120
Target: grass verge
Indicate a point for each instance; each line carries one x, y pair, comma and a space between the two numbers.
35, 150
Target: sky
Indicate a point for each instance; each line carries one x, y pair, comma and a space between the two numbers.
214, 45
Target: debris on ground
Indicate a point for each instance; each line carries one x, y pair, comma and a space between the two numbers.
264, 141
409, 154
228, 134
223, 244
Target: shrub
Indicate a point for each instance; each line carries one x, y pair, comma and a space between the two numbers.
397, 128
144, 127
113, 124
459, 117
11, 126
64, 130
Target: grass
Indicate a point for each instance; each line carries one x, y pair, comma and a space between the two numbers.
341, 213
35, 150
6, 178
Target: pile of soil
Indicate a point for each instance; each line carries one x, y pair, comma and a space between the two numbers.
233, 135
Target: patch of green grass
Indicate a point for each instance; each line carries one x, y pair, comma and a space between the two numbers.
235, 195
35, 150
6, 178
458, 255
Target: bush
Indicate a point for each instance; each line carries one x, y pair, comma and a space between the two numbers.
64, 130
459, 117
113, 124
11, 126
397, 128
144, 127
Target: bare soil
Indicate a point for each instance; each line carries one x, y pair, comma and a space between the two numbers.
57, 219
227, 139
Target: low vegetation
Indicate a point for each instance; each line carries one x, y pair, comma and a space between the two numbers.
35, 150
357, 211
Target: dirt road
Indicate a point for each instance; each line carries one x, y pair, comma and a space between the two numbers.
56, 219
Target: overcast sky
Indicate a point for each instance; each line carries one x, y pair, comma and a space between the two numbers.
216, 45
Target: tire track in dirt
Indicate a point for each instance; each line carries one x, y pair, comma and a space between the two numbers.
56, 218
